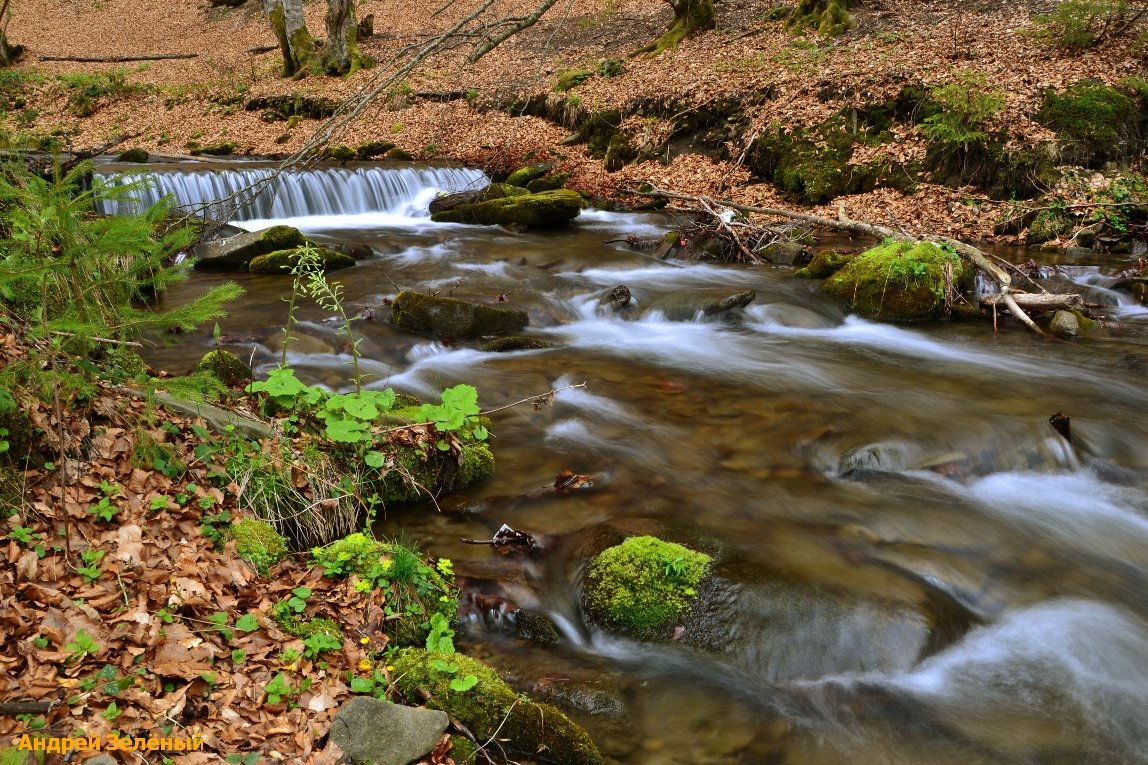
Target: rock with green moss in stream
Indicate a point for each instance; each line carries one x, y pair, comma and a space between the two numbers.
417, 590
898, 281
282, 261
525, 175
491, 708
824, 264
338, 153
516, 343
445, 202
400, 155
136, 155
256, 541
643, 587
452, 318
417, 473
784, 253
234, 253
1048, 225
548, 209
548, 183
225, 365
372, 149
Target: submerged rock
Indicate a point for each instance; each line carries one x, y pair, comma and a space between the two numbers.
492, 708
547, 209
617, 299
516, 343
376, 731
685, 306
898, 281
282, 261
452, 318
235, 252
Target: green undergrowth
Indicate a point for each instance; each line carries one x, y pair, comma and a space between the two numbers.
1094, 122
258, 542
643, 585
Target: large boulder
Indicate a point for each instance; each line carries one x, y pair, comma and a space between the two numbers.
547, 209
493, 191
282, 261
452, 318
371, 730
235, 252
898, 281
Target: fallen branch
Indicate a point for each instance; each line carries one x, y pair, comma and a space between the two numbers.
1044, 302
120, 59
13, 708
846, 224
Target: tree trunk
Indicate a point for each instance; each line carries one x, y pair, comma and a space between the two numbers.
828, 17
342, 54
286, 19
8, 52
689, 16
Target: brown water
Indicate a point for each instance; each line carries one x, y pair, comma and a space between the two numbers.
869, 610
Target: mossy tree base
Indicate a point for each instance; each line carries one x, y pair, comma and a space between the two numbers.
689, 16
829, 17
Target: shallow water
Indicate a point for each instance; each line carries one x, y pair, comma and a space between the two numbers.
914, 567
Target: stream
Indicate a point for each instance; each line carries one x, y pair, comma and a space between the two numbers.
912, 567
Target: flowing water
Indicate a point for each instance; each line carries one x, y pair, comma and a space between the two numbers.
912, 567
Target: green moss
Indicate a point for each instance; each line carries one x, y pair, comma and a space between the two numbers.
338, 153
221, 149
572, 78
1091, 119
225, 365
545, 210
282, 237
492, 708
620, 151
463, 751
829, 17
400, 154
134, 155
305, 628
371, 149
525, 175
688, 18
898, 281
1048, 225
258, 542
824, 264
282, 261
643, 585
548, 183
434, 471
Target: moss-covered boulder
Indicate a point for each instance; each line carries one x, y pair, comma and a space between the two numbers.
400, 155
525, 175
136, 155
491, 708
644, 586
548, 183
446, 202
1095, 122
453, 318
824, 264
338, 153
225, 366
282, 261
256, 541
548, 209
234, 253
372, 149
516, 343
898, 281
414, 471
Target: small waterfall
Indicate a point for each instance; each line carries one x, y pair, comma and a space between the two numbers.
294, 193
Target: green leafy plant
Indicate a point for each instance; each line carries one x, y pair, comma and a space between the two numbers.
91, 570
320, 642
278, 689
247, 623
1083, 24
964, 104
219, 620
458, 412
111, 712
82, 645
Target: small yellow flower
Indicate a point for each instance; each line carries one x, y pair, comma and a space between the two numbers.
365, 665
390, 668
365, 640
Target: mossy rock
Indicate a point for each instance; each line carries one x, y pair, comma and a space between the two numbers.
516, 343
282, 261
225, 366
401, 155
221, 149
462, 750
549, 209
525, 175
236, 252
338, 153
548, 183
452, 318
372, 149
136, 155
829, 17
1095, 122
445, 202
258, 542
304, 628
434, 471
620, 151
898, 281
644, 586
282, 108
1048, 225
491, 708
571, 79
824, 264
418, 590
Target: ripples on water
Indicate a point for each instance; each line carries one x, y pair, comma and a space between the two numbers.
913, 567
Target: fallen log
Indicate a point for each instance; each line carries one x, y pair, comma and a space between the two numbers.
846, 224
1039, 302
120, 59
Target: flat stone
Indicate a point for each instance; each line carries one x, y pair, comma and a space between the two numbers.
370, 730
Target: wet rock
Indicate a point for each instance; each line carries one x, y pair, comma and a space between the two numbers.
1064, 324
356, 251
225, 365
784, 253
449, 317
282, 261
824, 264
493, 191
535, 627
1062, 285
685, 306
401, 155
372, 149
337, 153
584, 696
548, 183
134, 155
616, 299
898, 281
235, 252
516, 343
525, 175
870, 459
371, 730
548, 209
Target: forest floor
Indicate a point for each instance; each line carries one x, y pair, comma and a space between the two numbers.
779, 77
